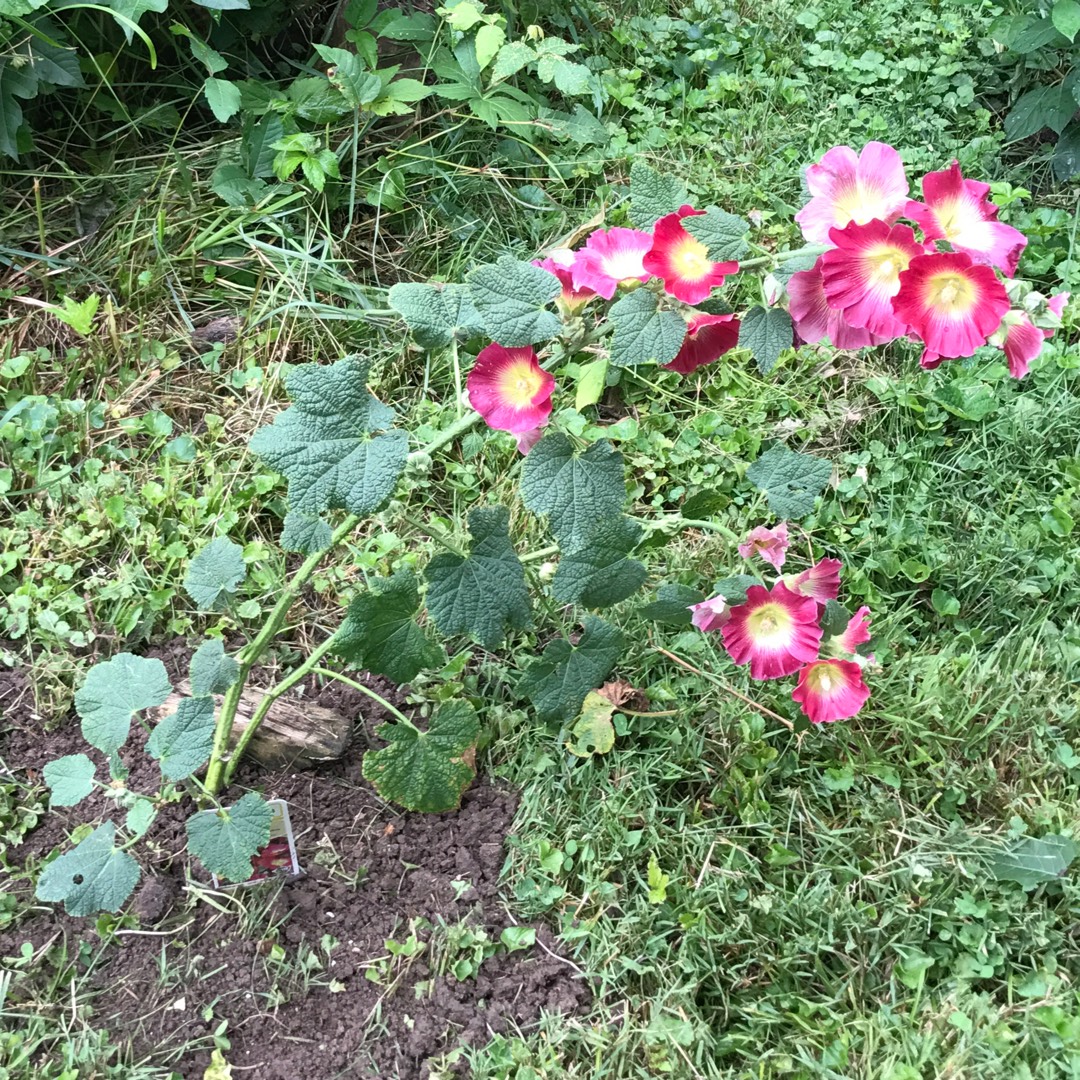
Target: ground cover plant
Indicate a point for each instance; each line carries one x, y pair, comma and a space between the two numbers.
888, 894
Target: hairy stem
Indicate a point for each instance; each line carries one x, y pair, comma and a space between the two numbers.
770, 260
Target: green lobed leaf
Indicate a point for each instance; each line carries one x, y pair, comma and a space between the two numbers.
1031, 862
211, 671
766, 332
93, 876
512, 57
790, 480
305, 533
215, 573
834, 619
70, 779
357, 86
225, 840
1046, 106
653, 194
182, 741
380, 633
672, 605
575, 491
512, 298
557, 683
722, 233
1067, 153
325, 444
436, 313
113, 692
602, 573
482, 594
643, 332
967, 400
140, 817
426, 770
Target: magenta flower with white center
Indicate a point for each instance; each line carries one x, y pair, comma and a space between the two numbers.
960, 212
711, 614
510, 389
847, 187
610, 259
1021, 341
708, 337
682, 260
830, 690
856, 633
815, 321
770, 544
820, 581
774, 631
571, 299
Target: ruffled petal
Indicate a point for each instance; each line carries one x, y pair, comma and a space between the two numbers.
510, 389
831, 690
774, 631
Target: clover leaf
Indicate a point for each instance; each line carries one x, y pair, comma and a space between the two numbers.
436, 314
426, 770
182, 741
225, 840
722, 233
215, 573
93, 876
211, 671
601, 573
653, 194
766, 333
512, 298
70, 779
790, 480
113, 692
643, 332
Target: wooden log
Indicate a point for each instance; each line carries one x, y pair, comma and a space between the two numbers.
293, 734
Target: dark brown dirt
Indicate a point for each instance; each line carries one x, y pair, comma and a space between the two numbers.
373, 873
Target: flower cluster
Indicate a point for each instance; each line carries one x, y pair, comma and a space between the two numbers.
786, 629
952, 289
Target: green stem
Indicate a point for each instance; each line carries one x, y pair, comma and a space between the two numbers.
677, 523
402, 718
448, 435
540, 553
436, 535
777, 256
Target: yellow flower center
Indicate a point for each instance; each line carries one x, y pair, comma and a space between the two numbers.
884, 265
823, 678
691, 259
770, 624
953, 295
520, 383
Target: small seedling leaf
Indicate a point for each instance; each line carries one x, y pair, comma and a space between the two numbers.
766, 333
672, 605
594, 732
436, 313
182, 741
602, 573
653, 194
722, 233
1031, 861
140, 817
215, 573
427, 770
211, 671
70, 779
643, 332
93, 876
113, 692
225, 840
223, 97
790, 480
658, 882
512, 298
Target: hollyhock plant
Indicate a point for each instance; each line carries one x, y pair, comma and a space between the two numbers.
708, 337
951, 303
775, 631
831, 690
610, 259
960, 212
770, 544
682, 261
711, 614
572, 299
815, 321
856, 633
847, 187
1021, 341
510, 389
820, 581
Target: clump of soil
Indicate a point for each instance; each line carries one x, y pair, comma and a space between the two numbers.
285, 963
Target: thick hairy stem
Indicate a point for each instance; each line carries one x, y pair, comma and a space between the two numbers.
769, 260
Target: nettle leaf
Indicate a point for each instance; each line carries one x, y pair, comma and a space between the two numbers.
223, 97
93, 876
325, 444
766, 333
182, 741
1032, 861
643, 333
722, 233
427, 770
225, 840
305, 533
483, 594
602, 573
436, 314
557, 683
211, 671
790, 480
512, 298
70, 779
113, 692
733, 589
575, 491
380, 633
594, 733
513, 56
653, 194
215, 573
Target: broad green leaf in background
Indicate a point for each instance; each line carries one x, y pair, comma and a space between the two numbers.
733, 589
113, 692
211, 671
93, 876
325, 443
357, 86
653, 194
1067, 152
575, 491
569, 77
70, 779
225, 840
790, 480
1066, 18
224, 5
513, 56
223, 97
489, 40
484, 593
427, 770
593, 733
601, 573
140, 817
834, 619
305, 533
1032, 862
215, 573
380, 632
672, 605
1045, 107
436, 313
590, 383
722, 233
182, 741
967, 400
557, 683
766, 332
643, 332
512, 298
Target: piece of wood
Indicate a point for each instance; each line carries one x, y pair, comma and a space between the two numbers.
293, 734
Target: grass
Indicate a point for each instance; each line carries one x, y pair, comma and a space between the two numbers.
831, 909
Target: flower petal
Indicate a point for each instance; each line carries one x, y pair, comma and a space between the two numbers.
510, 389
711, 614
770, 544
831, 690
820, 581
813, 318
683, 261
708, 337
610, 258
1023, 342
774, 631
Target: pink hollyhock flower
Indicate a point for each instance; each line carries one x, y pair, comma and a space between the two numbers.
774, 631
708, 337
770, 544
510, 389
813, 318
820, 581
950, 303
1056, 305
560, 264
528, 439
683, 261
960, 211
845, 187
855, 634
610, 258
830, 690
861, 274
1022, 341
710, 614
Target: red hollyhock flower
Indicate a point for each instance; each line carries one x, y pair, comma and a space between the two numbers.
683, 261
708, 337
774, 631
770, 544
510, 389
856, 633
950, 303
571, 298
711, 614
1021, 340
831, 690
820, 581
813, 318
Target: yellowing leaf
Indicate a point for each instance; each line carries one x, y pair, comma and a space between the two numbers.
593, 733
219, 1068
